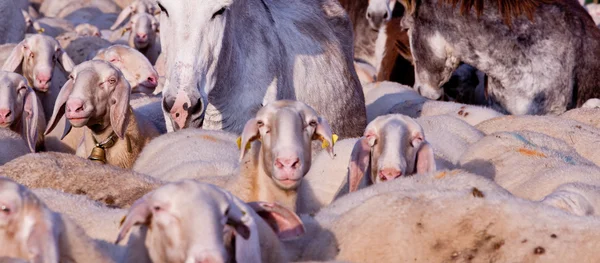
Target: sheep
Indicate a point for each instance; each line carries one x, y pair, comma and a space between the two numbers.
5, 51
389, 97
12, 27
98, 221
175, 155
80, 48
591, 103
588, 116
137, 6
114, 133
150, 107
36, 59
31, 231
21, 110
110, 185
366, 72
190, 221
444, 216
51, 26
63, 8
81, 30
144, 29
578, 135
12, 146
135, 67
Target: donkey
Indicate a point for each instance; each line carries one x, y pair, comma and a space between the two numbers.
540, 56
243, 54
364, 34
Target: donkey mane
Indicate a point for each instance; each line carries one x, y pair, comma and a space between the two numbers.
507, 8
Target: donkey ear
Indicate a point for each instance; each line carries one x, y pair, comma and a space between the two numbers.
32, 113
358, 168
323, 133
119, 107
122, 16
59, 106
283, 221
249, 134
15, 58
425, 160
66, 62
139, 213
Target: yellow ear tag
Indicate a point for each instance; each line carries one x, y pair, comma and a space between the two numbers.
123, 32
122, 221
41, 30
239, 143
325, 143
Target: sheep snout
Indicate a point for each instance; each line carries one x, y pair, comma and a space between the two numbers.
6, 118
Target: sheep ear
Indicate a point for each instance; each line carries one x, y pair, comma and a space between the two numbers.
425, 161
66, 62
30, 117
122, 16
42, 240
323, 133
359, 165
247, 245
59, 107
119, 107
249, 134
139, 213
284, 222
14, 60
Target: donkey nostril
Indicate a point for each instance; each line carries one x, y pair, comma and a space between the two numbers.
177, 115
368, 15
385, 16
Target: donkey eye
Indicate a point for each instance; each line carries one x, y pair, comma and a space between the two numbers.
218, 13
163, 9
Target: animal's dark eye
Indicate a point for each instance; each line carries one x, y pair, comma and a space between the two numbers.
112, 81
218, 13
313, 123
5, 209
260, 124
163, 9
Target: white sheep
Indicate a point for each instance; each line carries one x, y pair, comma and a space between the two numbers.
71, 174
63, 8
12, 25
444, 216
12, 146
190, 153
591, 103
20, 110
81, 30
143, 35
390, 97
43, 62
135, 7
190, 221
51, 26
580, 136
589, 116
114, 133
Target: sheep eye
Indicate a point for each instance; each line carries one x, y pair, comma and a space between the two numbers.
313, 123
5, 209
260, 124
218, 13
112, 81
163, 9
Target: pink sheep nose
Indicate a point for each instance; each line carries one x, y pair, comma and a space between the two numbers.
153, 80
389, 174
287, 163
4, 114
75, 105
142, 36
43, 79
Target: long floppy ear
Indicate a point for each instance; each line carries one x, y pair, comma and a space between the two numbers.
30, 118
59, 107
247, 243
15, 58
249, 134
139, 213
284, 222
66, 62
122, 16
42, 239
119, 107
323, 133
359, 166
425, 160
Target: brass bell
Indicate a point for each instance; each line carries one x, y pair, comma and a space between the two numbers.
98, 155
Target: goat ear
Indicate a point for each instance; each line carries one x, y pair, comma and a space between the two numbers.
249, 134
59, 107
119, 107
247, 243
324, 134
32, 113
425, 160
15, 58
139, 213
66, 62
283, 221
359, 165
122, 16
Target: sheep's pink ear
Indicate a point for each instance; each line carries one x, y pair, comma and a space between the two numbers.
15, 58
139, 213
283, 221
119, 107
59, 106
30, 118
122, 16
425, 161
324, 134
359, 165
66, 62
249, 134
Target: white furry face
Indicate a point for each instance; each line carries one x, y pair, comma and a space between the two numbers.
192, 54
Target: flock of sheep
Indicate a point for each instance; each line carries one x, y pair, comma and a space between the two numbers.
102, 158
